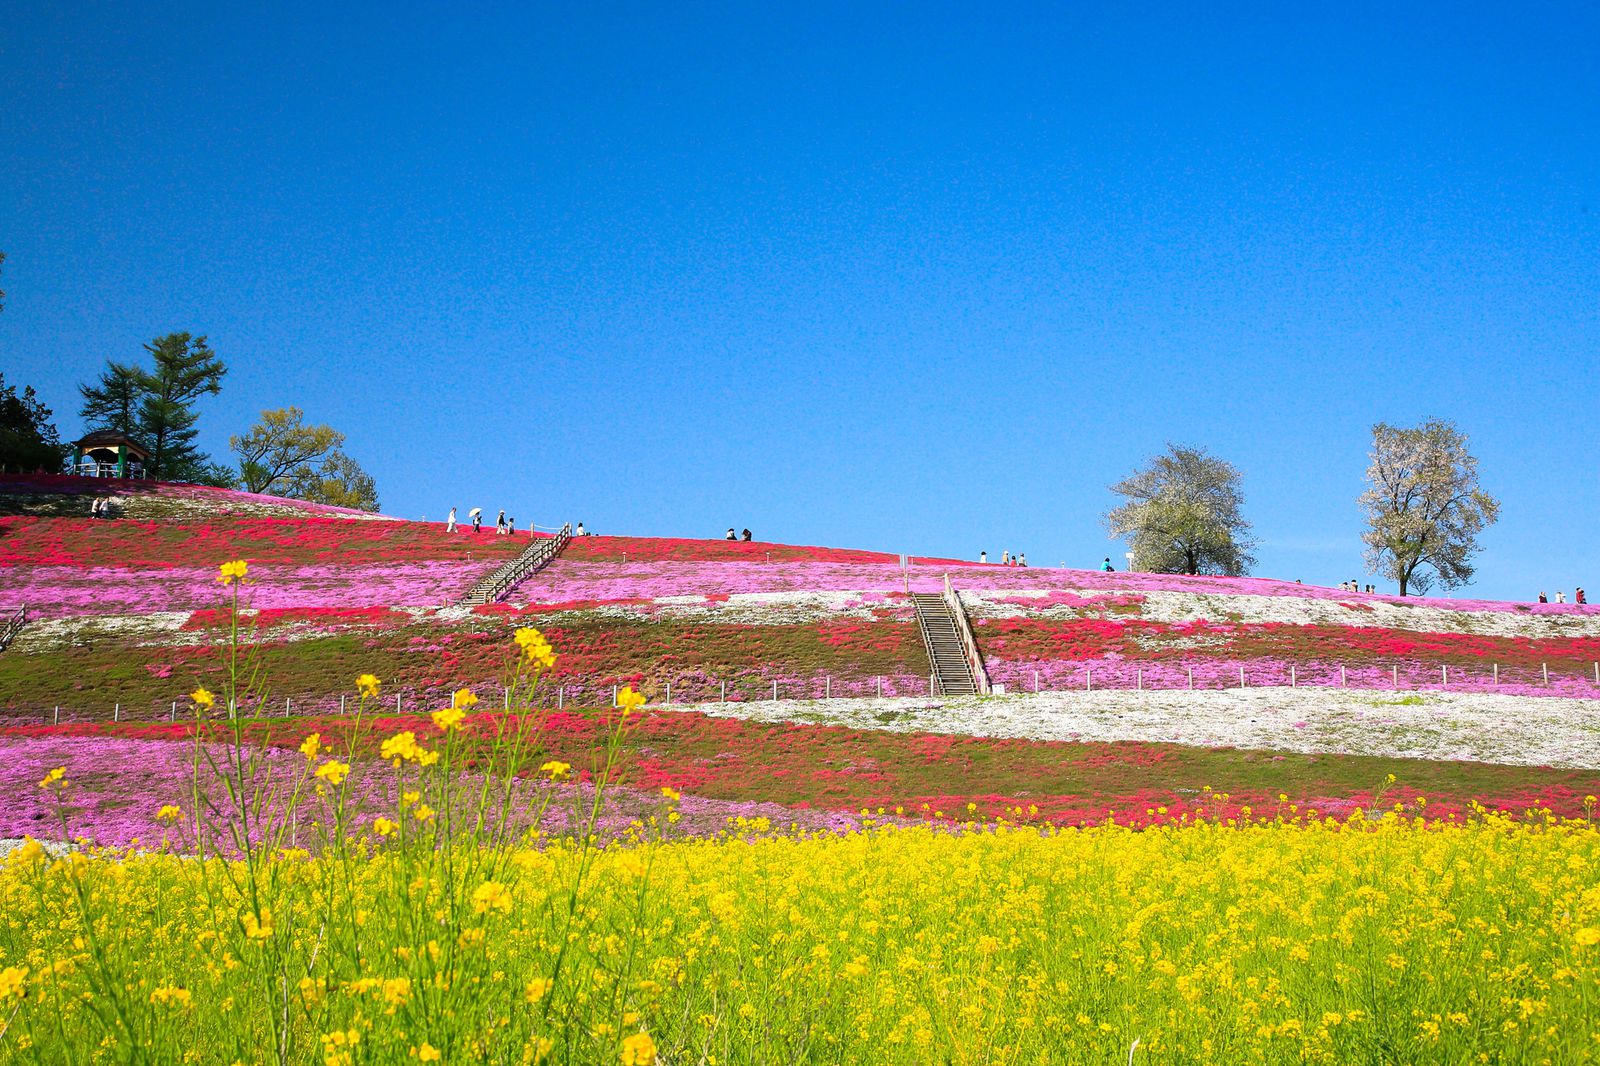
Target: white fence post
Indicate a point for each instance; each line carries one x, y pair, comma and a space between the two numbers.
1394, 674
116, 713
1036, 681
341, 704
1191, 676
173, 717
880, 688
1342, 683
1088, 679
1241, 677
561, 697
1138, 679
1444, 673
774, 688
1291, 676
1545, 667
58, 715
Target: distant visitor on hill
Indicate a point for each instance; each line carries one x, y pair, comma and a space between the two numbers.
1542, 597
1578, 597
1106, 566
450, 523
731, 534
477, 520
1005, 557
500, 524
580, 532
983, 557
745, 536
1561, 595
1022, 558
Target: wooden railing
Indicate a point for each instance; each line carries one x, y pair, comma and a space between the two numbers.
12, 626
538, 555
969, 640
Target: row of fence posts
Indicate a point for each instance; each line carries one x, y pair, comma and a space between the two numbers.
933, 686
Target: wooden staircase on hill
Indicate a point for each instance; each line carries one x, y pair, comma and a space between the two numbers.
11, 625
952, 649
535, 557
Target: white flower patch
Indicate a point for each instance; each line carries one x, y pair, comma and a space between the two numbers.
752, 608
1562, 733
158, 628
1170, 607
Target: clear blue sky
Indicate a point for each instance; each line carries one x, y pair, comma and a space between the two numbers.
924, 278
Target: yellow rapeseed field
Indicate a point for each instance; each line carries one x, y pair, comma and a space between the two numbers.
1205, 944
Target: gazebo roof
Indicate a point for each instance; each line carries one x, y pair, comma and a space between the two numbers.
110, 438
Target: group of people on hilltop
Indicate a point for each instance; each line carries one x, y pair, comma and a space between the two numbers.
745, 536
1006, 558
1354, 586
503, 526
1561, 596
101, 507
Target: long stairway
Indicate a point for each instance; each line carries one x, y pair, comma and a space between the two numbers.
535, 557
952, 673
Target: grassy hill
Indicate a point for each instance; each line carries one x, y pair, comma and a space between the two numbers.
1139, 704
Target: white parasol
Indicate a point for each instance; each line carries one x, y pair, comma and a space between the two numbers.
475, 512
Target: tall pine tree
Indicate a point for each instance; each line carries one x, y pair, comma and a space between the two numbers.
185, 370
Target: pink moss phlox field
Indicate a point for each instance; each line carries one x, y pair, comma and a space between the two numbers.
55, 592
117, 785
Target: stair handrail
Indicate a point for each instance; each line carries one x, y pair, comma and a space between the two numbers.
969, 639
12, 626
532, 559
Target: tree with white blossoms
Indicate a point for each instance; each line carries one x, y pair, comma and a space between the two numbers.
1424, 508
1184, 515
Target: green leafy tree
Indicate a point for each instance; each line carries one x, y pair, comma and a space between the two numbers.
28, 438
284, 456
115, 400
342, 483
1184, 515
1424, 507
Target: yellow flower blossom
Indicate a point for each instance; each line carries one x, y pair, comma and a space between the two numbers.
629, 700
171, 995
333, 772
168, 813
311, 746
465, 698
428, 1053
203, 699
556, 769
1588, 936
671, 793
448, 718
257, 928
491, 895
401, 746
537, 989
383, 826
13, 983
367, 686
423, 812
228, 573
638, 1050
56, 778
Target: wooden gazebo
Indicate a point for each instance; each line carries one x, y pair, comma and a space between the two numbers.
107, 453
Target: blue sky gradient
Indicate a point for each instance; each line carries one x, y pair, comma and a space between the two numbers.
919, 278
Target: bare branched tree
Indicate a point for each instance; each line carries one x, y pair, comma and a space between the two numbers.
1424, 508
1184, 515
